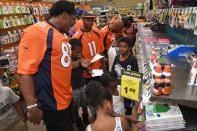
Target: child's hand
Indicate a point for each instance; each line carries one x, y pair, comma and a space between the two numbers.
134, 120
139, 124
85, 62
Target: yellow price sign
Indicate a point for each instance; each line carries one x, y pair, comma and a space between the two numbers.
130, 87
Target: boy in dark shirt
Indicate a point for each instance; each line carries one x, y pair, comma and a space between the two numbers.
77, 79
125, 61
79, 64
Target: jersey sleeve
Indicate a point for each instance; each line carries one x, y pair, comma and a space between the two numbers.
101, 46
77, 35
102, 35
32, 48
78, 25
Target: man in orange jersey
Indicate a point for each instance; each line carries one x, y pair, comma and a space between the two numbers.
109, 32
91, 44
44, 68
79, 24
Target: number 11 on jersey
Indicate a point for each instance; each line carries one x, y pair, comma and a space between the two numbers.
92, 48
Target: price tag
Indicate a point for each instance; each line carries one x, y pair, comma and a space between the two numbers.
130, 85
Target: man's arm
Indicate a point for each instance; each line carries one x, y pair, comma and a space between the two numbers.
27, 88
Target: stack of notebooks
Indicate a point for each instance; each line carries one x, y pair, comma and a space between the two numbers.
163, 117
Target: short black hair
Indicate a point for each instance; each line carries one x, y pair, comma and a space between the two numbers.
62, 6
95, 94
127, 21
107, 78
74, 42
128, 41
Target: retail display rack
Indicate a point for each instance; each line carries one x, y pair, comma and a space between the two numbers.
153, 48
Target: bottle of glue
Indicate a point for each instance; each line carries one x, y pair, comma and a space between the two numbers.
157, 72
166, 90
158, 84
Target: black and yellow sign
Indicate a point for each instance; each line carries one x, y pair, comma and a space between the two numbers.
130, 85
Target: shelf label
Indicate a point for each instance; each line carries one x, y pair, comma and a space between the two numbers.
131, 85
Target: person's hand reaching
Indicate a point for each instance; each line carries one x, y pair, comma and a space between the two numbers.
85, 62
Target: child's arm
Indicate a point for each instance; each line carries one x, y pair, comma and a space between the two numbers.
20, 111
81, 62
129, 118
125, 124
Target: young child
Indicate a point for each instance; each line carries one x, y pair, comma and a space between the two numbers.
77, 79
109, 81
125, 61
10, 111
100, 99
79, 64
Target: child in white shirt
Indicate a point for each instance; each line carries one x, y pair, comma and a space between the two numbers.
10, 110
110, 83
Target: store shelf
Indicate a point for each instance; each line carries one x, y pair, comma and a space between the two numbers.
9, 15
104, 11
101, 16
9, 45
181, 93
14, 28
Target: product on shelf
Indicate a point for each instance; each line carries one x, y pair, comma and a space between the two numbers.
166, 90
163, 117
193, 73
162, 83
158, 83
157, 72
178, 17
154, 57
10, 37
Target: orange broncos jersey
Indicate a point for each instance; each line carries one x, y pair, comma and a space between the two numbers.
107, 37
79, 24
91, 45
45, 53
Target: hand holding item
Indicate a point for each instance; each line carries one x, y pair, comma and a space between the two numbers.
84, 62
34, 115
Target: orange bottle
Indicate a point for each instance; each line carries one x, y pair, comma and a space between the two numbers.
166, 90
157, 88
157, 74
